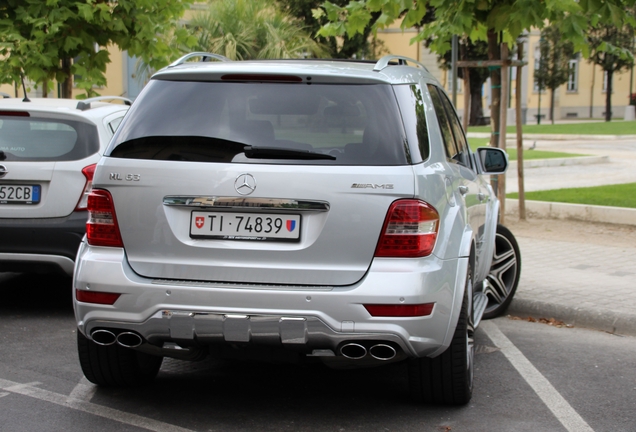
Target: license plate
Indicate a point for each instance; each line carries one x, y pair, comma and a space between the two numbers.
245, 226
20, 194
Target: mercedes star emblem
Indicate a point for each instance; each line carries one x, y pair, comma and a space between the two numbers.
245, 184
3, 171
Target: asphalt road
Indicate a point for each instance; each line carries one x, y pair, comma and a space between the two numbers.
529, 377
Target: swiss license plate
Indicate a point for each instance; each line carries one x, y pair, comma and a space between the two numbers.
245, 226
20, 194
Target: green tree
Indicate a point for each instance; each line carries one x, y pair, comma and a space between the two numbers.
611, 50
252, 29
357, 45
554, 65
57, 39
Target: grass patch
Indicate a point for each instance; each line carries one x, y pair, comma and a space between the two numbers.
578, 128
527, 155
620, 195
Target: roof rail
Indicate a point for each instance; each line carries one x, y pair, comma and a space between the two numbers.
204, 57
85, 104
401, 60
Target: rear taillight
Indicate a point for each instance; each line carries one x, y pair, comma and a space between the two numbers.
102, 228
410, 230
88, 172
104, 298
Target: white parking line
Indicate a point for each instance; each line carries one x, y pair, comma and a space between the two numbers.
84, 390
561, 409
87, 407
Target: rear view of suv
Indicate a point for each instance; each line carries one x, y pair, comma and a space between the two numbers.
326, 210
48, 152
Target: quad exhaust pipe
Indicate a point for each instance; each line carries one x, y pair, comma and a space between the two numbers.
104, 337
126, 339
356, 351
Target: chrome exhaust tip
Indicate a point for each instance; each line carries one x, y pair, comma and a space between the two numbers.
103, 337
353, 351
129, 339
382, 352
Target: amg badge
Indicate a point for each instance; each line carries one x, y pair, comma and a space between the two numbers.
372, 186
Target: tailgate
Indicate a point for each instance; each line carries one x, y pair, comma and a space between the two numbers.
322, 231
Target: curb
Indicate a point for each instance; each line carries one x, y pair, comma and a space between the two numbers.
582, 212
576, 160
555, 137
597, 318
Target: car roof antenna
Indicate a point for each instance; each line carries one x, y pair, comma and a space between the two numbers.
26, 98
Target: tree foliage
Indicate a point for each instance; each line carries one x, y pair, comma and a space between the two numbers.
57, 39
554, 64
476, 18
252, 29
357, 45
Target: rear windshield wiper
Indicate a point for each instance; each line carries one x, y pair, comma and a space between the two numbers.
283, 153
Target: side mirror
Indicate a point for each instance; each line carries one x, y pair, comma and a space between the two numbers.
492, 160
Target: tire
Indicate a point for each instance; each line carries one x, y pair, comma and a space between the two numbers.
448, 378
503, 277
114, 365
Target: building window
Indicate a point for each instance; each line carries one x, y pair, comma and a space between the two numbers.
449, 82
605, 82
537, 65
573, 75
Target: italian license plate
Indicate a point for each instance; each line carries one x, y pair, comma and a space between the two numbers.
245, 226
20, 194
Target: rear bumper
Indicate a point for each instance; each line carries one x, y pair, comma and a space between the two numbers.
301, 318
31, 245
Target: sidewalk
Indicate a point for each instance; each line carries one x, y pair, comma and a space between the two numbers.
582, 272
577, 272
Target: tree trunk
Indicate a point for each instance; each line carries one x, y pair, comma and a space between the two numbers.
67, 85
608, 96
520, 172
476, 99
467, 96
552, 105
495, 83
45, 88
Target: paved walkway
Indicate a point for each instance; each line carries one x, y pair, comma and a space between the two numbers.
584, 283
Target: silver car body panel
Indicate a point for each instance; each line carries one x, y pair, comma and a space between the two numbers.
157, 238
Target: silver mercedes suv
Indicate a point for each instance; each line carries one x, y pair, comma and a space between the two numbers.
305, 209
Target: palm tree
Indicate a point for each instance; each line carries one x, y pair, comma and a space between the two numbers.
243, 30
252, 29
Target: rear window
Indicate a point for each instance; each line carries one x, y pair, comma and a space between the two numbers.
264, 123
43, 139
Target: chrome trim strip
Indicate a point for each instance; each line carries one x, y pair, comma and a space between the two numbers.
242, 285
270, 204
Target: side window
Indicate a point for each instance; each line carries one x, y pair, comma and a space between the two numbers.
444, 124
413, 110
463, 151
113, 125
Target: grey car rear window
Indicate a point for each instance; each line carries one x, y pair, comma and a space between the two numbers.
43, 139
248, 122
